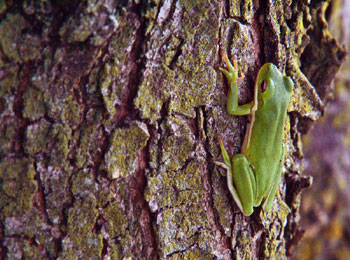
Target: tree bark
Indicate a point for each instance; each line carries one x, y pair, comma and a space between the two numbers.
325, 211
109, 116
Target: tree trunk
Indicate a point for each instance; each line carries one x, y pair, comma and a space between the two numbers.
109, 116
325, 212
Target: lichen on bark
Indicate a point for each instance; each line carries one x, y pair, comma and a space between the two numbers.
109, 116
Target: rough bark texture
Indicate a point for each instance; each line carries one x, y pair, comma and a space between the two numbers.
325, 211
109, 117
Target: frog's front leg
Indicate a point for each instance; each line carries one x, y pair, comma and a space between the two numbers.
240, 180
232, 97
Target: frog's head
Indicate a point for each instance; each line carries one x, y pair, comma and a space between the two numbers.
270, 78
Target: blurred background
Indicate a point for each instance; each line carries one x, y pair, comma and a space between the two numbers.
325, 210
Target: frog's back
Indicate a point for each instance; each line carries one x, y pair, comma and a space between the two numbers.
265, 150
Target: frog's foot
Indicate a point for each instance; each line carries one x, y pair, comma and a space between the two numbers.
226, 164
224, 154
231, 74
222, 164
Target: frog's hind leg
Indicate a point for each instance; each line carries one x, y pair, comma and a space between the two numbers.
242, 184
240, 180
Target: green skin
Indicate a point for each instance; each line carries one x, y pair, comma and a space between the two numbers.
254, 174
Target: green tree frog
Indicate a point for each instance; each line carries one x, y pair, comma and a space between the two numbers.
254, 174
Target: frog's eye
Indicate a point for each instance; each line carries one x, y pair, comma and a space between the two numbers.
263, 86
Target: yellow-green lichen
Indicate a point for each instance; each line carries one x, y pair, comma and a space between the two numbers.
222, 203
237, 37
176, 188
81, 28
44, 138
119, 71
81, 221
18, 187
243, 10
184, 75
65, 108
37, 137
49, 239
176, 151
119, 231
241, 239
31, 251
85, 139
275, 247
10, 35
301, 39
18, 190
181, 227
55, 179
180, 221
150, 102
22, 249
305, 99
7, 84
33, 105
172, 49
110, 90
7, 133
125, 144
83, 182
117, 220
292, 147
62, 134
176, 147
